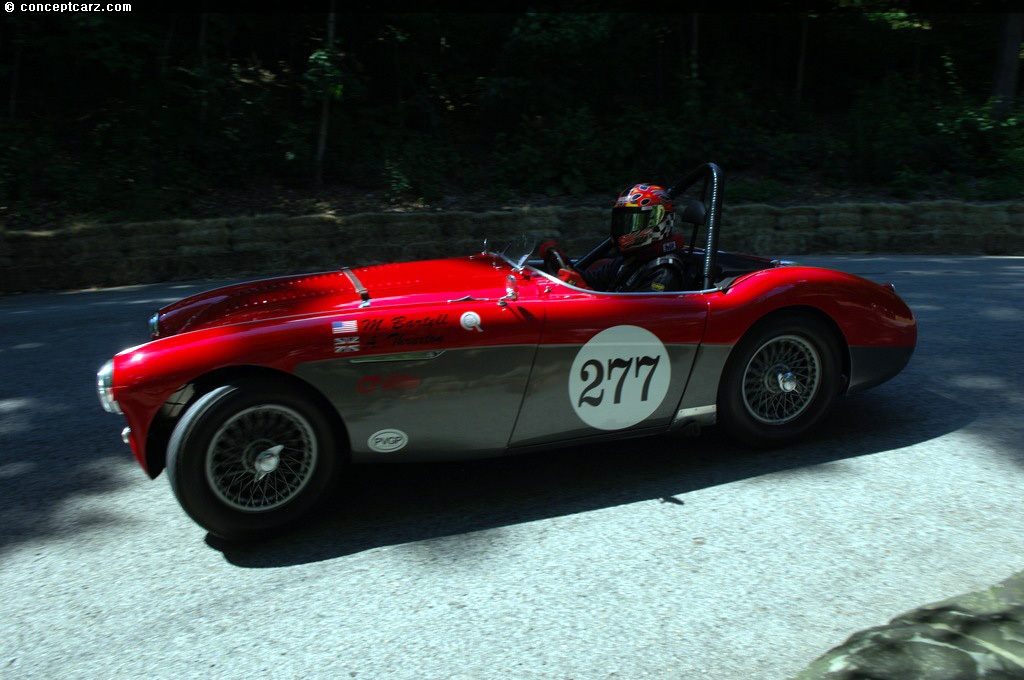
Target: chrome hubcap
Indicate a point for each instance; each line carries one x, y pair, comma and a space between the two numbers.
267, 461
781, 379
787, 382
261, 458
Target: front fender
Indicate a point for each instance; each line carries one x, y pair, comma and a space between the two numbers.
150, 377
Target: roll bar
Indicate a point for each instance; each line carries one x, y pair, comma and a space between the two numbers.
711, 197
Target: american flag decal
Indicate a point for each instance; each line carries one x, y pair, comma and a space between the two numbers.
339, 327
346, 344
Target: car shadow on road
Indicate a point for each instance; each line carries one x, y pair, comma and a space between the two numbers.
383, 505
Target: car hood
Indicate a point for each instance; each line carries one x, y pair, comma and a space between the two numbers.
386, 285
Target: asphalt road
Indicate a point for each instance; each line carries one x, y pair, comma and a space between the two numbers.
659, 558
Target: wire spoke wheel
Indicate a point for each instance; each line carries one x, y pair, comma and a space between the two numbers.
261, 458
248, 459
781, 379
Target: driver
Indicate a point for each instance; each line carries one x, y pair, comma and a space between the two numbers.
645, 257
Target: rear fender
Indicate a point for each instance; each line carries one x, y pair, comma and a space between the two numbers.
865, 313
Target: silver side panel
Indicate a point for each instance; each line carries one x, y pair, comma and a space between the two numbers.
872, 366
470, 402
699, 402
460, 402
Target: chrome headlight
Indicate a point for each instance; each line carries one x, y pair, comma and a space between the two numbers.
105, 388
154, 326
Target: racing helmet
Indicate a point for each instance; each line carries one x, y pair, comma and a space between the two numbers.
642, 215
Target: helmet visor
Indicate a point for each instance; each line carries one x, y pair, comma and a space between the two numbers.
626, 220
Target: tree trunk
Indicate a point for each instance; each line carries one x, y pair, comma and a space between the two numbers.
325, 112
1008, 65
12, 103
694, 33
801, 61
165, 53
204, 69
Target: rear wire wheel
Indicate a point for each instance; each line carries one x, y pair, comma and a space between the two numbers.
780, 381
247, 460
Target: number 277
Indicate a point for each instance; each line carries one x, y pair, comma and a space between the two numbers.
593, 373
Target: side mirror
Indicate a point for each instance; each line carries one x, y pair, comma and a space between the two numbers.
511, 291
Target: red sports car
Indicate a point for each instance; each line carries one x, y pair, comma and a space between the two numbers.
256, 396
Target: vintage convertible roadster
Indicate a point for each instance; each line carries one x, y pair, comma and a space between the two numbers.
255, 396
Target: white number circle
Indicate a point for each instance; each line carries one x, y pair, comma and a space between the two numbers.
619, 378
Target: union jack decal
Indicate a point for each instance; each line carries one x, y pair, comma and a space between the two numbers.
346, 344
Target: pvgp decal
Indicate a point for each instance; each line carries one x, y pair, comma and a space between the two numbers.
619, 378
471, 322
397, 382
386, 441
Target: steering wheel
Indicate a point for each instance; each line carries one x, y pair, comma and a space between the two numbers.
553, 261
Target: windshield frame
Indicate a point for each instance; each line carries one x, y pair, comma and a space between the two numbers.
516, 252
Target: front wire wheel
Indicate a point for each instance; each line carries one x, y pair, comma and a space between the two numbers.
780, 381
248, 460
261, 458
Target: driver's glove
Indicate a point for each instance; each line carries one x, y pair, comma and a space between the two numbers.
572, 277
550, 244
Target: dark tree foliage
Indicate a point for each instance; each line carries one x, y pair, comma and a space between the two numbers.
135, 115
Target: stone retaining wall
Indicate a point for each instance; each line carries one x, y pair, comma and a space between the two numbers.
123, 254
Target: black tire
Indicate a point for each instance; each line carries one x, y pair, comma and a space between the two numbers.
249, 459
780, 380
